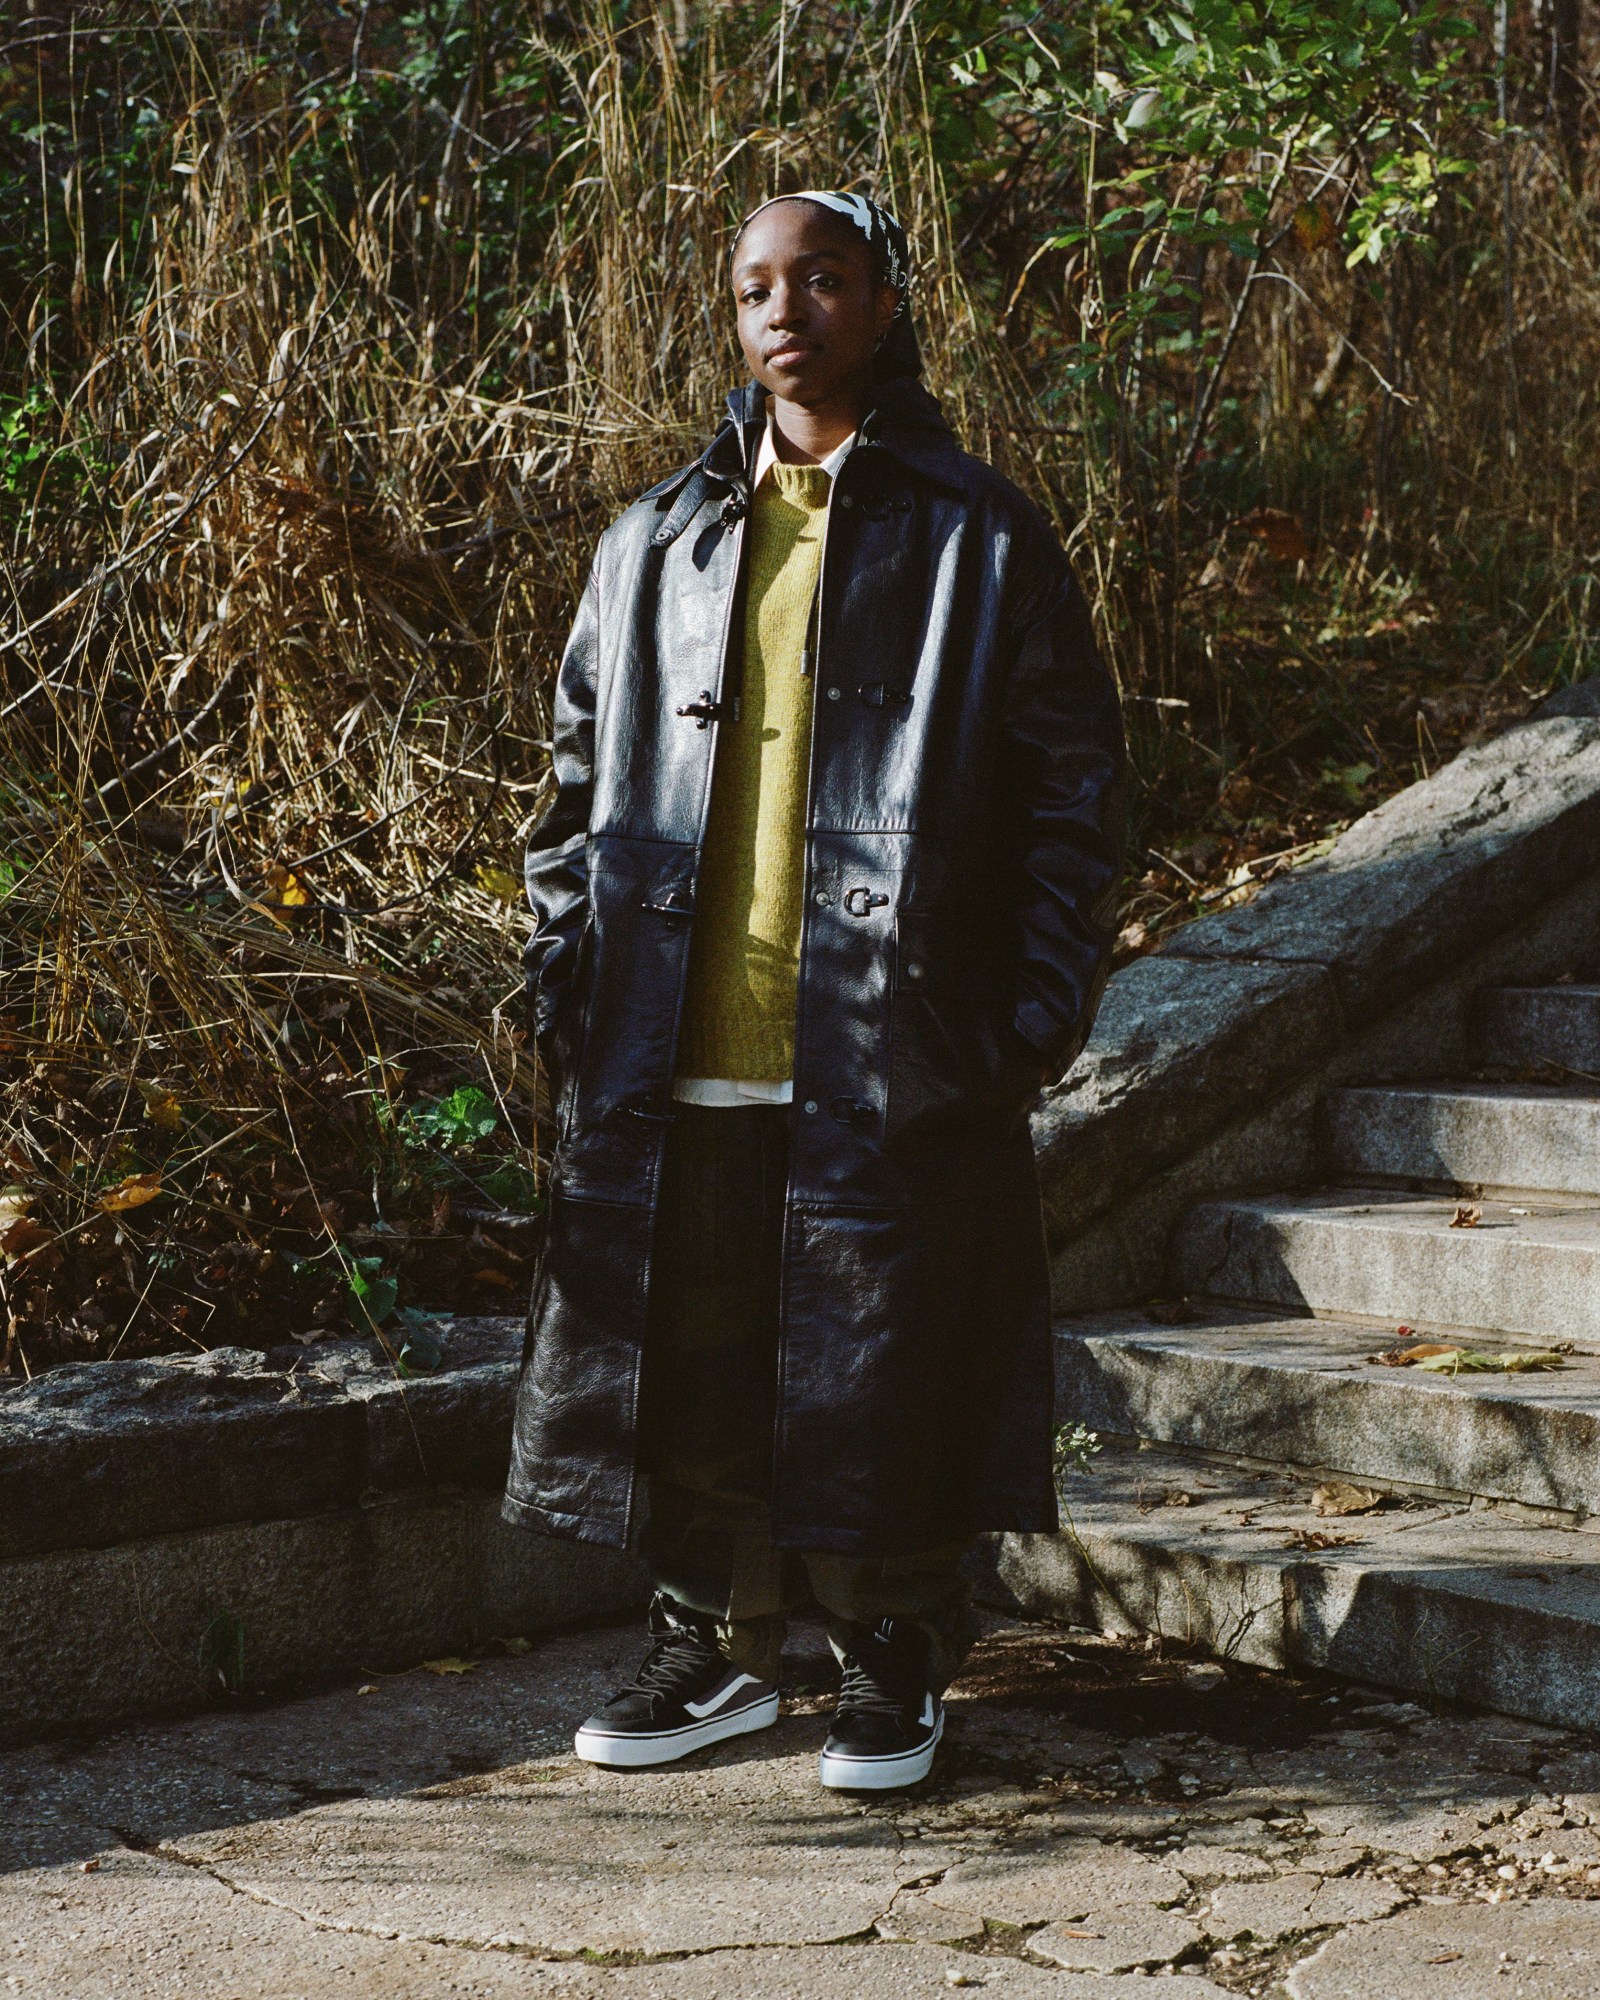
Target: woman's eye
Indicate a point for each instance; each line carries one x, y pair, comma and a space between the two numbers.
751, 298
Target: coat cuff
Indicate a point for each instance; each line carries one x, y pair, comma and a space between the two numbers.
1036, 1024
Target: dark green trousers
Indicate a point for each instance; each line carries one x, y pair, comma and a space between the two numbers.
708, 1407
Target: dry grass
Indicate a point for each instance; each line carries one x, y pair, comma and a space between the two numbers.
291, 561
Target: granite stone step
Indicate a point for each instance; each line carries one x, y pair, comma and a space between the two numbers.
1526, 1268
1306, 1393
1436, 1599
1517, 1025
1488, 1135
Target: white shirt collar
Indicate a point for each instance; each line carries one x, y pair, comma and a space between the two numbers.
767, 456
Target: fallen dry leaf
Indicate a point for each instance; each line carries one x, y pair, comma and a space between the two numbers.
498, 882
161, 1107
20, 1239
1066, 1930
1340, 1497
1317, 1538
1443, 1958
1434, 1358
133, 1192
450, 1664
1467, 1216
285, 888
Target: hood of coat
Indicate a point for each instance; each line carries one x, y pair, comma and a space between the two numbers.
904, 419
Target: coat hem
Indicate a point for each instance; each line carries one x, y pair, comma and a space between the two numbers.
867, 1548
568, 1527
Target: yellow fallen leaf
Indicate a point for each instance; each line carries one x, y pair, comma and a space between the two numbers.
15, 1203
1461, 1361
1340, 1497
1530, 1362
285, 888
161, 1107
450, 1664
1467, 1216
498, 882
133, 1192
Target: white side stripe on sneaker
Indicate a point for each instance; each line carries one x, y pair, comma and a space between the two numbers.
927, 1712
721, 1697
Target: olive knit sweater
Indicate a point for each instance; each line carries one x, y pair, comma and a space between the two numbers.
744, 962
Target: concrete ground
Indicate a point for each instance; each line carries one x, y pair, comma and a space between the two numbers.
1103, 1824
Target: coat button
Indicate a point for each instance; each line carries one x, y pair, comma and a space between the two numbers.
847, 499
914, 969
810, 1104
822, 897
834, 693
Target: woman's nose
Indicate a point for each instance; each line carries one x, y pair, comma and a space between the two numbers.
786, 309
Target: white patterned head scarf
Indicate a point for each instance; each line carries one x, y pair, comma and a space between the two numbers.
897, 350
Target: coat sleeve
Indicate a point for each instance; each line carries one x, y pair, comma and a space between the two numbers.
1064, 777
555, 864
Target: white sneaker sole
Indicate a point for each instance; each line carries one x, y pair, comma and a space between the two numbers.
879, 1774
631, 1751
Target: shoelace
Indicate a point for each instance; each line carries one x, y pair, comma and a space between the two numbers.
861, 1692
676, 1661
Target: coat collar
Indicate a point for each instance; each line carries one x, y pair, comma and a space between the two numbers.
904, 421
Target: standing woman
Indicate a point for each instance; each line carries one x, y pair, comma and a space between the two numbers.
824, 898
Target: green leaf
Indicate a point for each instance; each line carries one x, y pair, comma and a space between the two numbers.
374, 1298
422, 1344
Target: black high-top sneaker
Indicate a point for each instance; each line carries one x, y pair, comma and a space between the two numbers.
686, 1694
889, 1720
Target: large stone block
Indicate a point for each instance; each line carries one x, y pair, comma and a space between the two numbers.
1429, 873
1480, 1134
95, 1636
112, 1451
1433, 1599
1180, 1048
1534, 1272
1304, 1393
116, 1451
1539, 1024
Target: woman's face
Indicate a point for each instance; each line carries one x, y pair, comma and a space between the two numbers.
811, 309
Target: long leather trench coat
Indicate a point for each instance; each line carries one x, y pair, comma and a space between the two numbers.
962, 847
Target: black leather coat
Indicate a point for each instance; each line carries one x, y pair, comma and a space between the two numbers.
963, 838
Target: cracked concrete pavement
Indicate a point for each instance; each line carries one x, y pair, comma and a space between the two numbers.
1101, 1816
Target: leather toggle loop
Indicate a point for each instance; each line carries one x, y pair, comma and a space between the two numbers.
851, 1110
859, 900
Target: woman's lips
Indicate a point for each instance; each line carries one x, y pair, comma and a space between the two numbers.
787, 356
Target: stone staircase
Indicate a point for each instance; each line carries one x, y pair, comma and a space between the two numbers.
1470, 1567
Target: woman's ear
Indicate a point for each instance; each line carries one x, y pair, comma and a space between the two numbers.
888, 304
